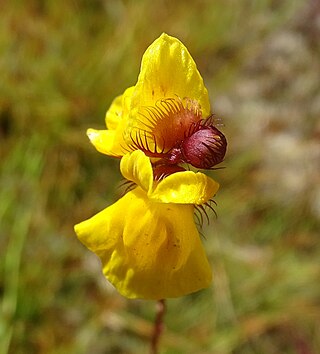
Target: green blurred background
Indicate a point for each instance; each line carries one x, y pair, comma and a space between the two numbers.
61, 64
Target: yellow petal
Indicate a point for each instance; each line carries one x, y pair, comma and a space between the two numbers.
148, 250
97, 233
168, 71
185, 188
114, 113
119, 109
107, 142
136, 167
113, 141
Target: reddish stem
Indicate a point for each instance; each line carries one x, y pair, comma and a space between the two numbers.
158, 326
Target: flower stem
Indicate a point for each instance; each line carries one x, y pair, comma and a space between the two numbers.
158, 326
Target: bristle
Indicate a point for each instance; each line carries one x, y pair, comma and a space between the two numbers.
201, 211
127, 185
198, 215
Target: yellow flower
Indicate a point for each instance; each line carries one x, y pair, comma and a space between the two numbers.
147, 241
159, 111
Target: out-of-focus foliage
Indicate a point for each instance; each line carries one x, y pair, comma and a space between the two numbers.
61, 64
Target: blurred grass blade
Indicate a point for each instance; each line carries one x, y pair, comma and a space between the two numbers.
20, 176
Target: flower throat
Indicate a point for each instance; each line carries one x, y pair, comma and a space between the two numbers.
175, 133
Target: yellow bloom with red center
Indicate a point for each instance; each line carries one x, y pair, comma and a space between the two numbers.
147, 241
